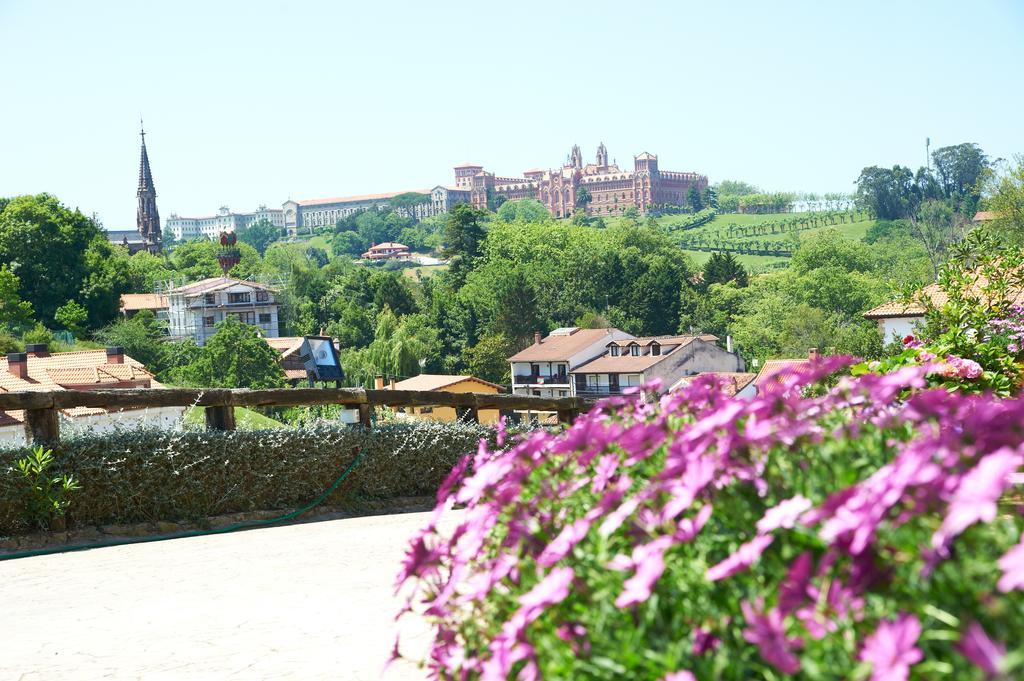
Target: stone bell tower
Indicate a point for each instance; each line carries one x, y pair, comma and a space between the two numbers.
147, 218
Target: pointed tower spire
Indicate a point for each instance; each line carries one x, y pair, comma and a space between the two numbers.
147, 218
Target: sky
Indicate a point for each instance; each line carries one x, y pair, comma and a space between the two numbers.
249, 103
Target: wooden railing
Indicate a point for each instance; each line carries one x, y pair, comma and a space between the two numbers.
42, 422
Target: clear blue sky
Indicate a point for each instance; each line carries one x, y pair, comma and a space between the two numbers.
253, 102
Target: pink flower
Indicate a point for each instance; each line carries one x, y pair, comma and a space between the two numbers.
976, 495
743, 558
649, 560
678, 676
704, 641
794, 589
765, 631
785, 514
1012, 348
985, 653
560, 546
892, 649
1012, 565
548, 591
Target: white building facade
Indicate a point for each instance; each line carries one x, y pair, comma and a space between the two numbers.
544, 369
210, 227
194, 310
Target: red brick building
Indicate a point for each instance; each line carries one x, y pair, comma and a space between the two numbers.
612, 190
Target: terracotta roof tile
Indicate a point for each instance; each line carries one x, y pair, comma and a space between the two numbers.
131, 302
440, 381
561, 348
732, 381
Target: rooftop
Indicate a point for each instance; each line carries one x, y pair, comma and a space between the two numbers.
215, 284
627, 363
359, 197
440, 381
68, 370
562, 345
132, 302
732, 381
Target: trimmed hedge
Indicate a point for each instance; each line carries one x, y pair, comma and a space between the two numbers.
174, 475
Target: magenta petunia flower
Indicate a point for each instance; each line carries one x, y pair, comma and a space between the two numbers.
976, 495
892, 649
785, 514
766, 632
981, 650
649, 560
743, 558
560, 546
1012, 565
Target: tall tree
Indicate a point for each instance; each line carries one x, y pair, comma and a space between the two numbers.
960, 170
260, 234
235, 356
463, 236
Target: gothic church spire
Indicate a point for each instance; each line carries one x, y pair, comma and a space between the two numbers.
147, 218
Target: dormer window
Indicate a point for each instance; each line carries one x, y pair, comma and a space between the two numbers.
634, 350
655, 349
615, 351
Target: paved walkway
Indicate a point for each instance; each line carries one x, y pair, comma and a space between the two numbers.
310, 601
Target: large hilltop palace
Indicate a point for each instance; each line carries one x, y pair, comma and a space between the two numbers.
600, 188
612, 191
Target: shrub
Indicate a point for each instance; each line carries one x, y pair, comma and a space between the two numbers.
816, 532
148, 475
48, 495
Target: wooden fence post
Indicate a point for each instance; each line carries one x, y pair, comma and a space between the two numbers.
567, 416
365, 416
42, 426
220, 418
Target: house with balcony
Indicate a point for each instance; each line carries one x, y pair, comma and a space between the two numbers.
632, 362
194, 310
544, 369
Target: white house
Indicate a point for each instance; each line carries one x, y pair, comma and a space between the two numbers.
898, 318
210, 226
634, 362
543, 369
194, 310
37, 370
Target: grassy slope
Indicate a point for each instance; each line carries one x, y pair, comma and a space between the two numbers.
757, 263
245, 419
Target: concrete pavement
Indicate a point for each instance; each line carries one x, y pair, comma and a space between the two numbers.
310, 601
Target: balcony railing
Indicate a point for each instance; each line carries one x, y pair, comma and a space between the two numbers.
537, 379
601, 390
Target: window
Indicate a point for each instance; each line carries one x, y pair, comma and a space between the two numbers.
655, 349
210, 299
262, 296
563, 393
239, 297
208, 321
264, 318
615, 351
634, 350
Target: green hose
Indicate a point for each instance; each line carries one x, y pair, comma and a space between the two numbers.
192, 533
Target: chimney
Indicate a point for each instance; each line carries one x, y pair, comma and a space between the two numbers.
378, 382
536, 337
115, 355
38, 349
391, 384
17, 364
728, 343
812, 354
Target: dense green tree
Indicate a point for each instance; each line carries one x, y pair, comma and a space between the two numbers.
72, 317
888, 193
195, 260
523, 210
488, 359
723, 268
583, 197
142, 338
347, 243
353, 326
47, 246
961, 171
235, 356
1007, 201
260, 235
694, 200
15, 313
464, 233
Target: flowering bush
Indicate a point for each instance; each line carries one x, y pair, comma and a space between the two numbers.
850, 531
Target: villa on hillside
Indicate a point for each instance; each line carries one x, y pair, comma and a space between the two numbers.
634, 362
37, 370
387, 251
133, 303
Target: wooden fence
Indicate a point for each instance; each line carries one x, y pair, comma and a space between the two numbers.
42, 422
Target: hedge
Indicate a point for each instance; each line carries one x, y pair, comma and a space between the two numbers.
148, 475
